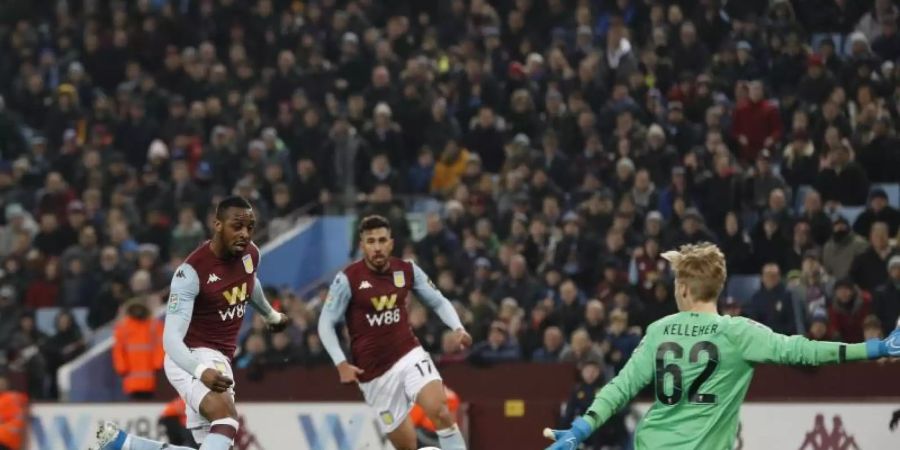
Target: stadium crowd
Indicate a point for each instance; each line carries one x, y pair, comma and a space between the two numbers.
567, 142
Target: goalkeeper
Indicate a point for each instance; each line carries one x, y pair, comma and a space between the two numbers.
701, 364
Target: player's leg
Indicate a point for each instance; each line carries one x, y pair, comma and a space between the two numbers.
385, 395
218, 408
404, 436
433, 401
110, 437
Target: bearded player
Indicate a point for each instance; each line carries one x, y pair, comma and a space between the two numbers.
209, 295
702, 364
391, 368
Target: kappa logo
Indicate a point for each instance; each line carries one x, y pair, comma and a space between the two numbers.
822, 439
213, 278
365, 285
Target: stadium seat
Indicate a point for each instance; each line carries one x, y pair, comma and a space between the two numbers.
742, 287
45, 319
850, 212
893, 192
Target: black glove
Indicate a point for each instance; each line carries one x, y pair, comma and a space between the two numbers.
895, 419
280, 325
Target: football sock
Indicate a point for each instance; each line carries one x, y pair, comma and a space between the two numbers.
221, 433
451, 439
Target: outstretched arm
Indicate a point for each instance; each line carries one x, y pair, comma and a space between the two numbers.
759, 344
617, 393
434, 299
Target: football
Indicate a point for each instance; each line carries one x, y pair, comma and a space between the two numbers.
429, 448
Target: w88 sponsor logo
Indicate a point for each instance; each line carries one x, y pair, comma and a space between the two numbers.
384, 318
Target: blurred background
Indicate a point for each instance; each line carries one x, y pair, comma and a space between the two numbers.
535, 157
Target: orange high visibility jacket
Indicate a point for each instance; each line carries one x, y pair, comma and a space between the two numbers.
175, 408
138, 353
420, 420
13, 419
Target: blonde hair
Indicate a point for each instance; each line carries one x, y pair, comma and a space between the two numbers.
701, 267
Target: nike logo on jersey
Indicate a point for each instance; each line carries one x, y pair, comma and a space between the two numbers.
213, 278
365, 285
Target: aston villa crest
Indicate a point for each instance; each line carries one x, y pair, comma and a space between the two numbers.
248, 264
399, 279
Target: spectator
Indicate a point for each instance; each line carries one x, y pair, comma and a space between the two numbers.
878, 210
44, 291
869, 269
872, 328
819, 222
812, 289
887, 297
595, 320
315, 351
772, 304
485, 138
843, 247
622, 340
755, 125
104, 307
62, 347
137, 350
591, 379
769, 243
847, 312
449, 167
736, 245
283, 352
581, 349
553, 346
255, 349
499, 346
661, 304
842, 180
10, 310
818, 326
533, 335
517, 283
187, 234
570, 306
761, 182
800, 165
801, 242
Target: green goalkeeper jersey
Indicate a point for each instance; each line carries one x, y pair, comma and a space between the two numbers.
701, 365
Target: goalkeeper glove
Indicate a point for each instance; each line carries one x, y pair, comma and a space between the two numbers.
569, 439
888, 347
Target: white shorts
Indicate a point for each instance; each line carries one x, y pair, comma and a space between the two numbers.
193, 390
393, 394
